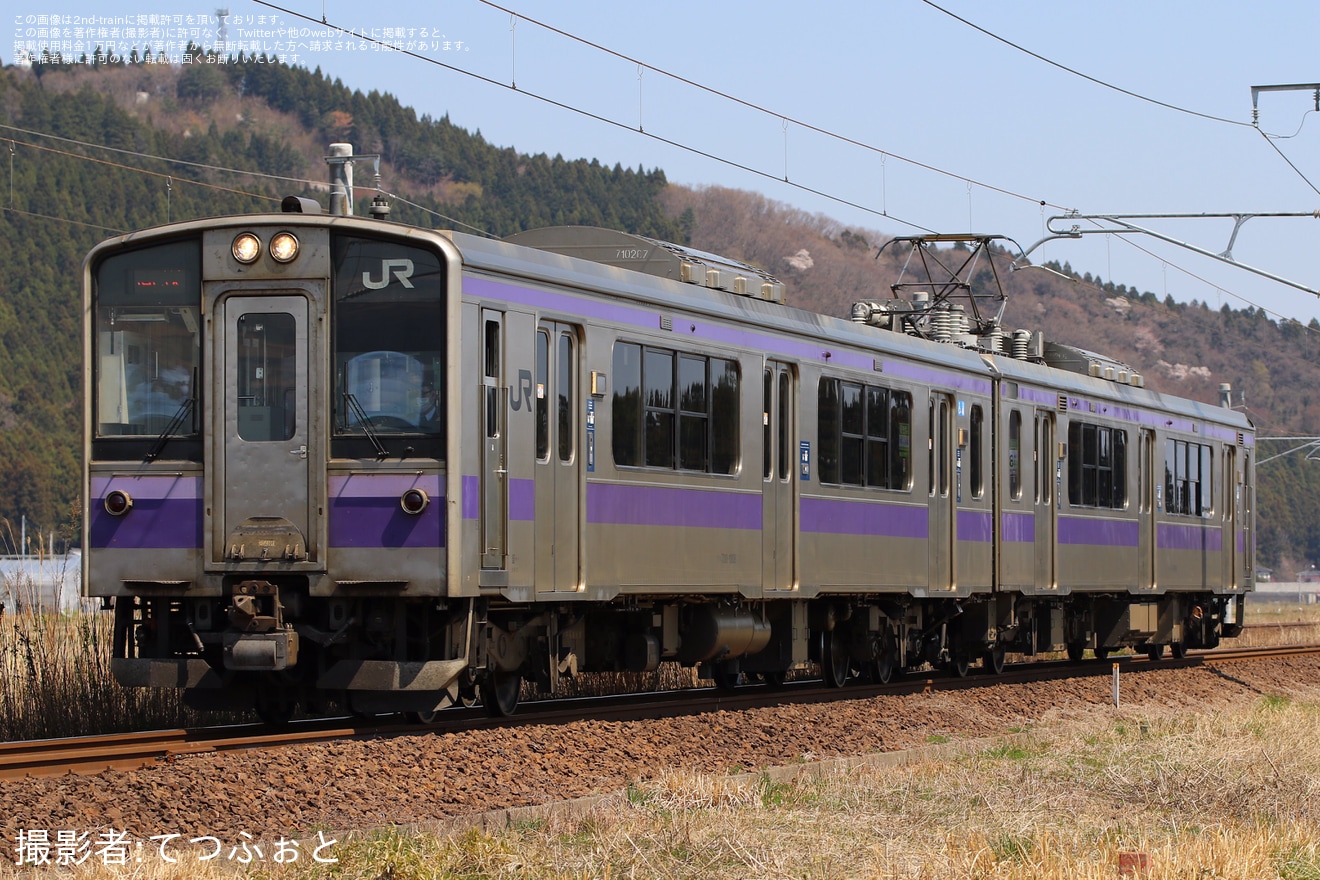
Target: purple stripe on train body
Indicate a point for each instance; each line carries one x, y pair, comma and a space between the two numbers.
633, 505
977, 526
364, 512
166, 514
1098, 532
833, 516
471, 497
153, 523
1172, 537
1031, 395
522, 500
921, 373
749, 339
1018, 528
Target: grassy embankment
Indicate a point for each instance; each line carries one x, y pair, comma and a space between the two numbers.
1229, 793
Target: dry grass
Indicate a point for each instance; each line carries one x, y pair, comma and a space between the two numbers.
1226, 794
56, 673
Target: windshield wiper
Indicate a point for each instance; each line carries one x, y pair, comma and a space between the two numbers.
174, 424
367, 428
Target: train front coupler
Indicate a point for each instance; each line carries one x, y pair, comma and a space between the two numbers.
258, 640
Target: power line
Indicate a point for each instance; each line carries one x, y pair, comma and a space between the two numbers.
1131, 94
552, 102
151, 156
1275, 146
62, 220
1268, 138
760, 109
639, 131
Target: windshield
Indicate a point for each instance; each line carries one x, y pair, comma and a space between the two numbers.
146, 347
389, 332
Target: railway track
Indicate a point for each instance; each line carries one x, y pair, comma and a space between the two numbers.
128, 751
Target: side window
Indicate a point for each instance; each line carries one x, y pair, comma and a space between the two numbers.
626, 410
564, 383
827, 426
725, 443
865, 435
767, 386
851, 438
658, 400
1015, 455
977, 445
785, 425
543, 404
1188, 478
1097, 466
900, 440
674, 410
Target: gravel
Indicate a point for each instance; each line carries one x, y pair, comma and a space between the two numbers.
433, 777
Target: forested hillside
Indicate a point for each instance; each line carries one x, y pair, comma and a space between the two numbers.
64, 197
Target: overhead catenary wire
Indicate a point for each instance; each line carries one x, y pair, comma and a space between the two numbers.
1128, 92
705, 154
1131, 94
751, 105
786, 121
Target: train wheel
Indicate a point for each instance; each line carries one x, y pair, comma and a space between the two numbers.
500, 692
1075, 651
775, 678
1155, 653
726, 677
468, 694
427, 717
882, 667
1101, 652
960, 663
993, 660
1179, 649
834, 659
275, 709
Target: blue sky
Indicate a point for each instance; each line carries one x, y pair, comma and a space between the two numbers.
997, 130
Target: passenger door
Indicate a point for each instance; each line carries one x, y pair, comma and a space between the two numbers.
779, 484
494, 492
559, 459
1046, 498
941, 519
1146, 570
263, 432
1229, 499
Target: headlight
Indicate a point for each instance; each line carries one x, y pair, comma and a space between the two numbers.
247, 247
284, 247
118, 502
414, 501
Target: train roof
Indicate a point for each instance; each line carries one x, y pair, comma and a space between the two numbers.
562, 258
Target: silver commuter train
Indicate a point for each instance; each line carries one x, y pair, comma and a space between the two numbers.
336, 461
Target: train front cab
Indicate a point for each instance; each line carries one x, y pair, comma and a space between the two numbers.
265, 487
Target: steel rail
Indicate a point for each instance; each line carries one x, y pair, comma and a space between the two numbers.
130, 751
